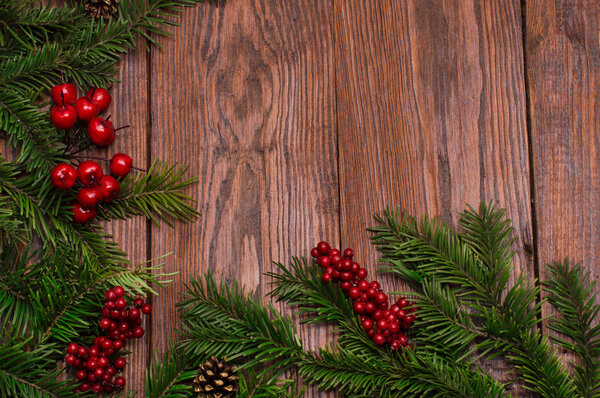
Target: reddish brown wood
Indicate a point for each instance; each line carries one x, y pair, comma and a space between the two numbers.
431, 114
244, 95
563, 69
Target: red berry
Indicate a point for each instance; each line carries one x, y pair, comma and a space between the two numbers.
110, 187
375, 285
367, 324
394, 327
89, 172
105, 323
390, 318
120, 381
379, 339
346, 285
111, 369
63, 116
348, 253
101, 132
85, 387
371, 292
138, 332
335, 275
72, 349
334, 252
63, 176
110, 295
120, 363
355, 268
81, 375
346, 276
100, 97
363, 297
91, 377
138, 302
362, 273
402, 339
336, 259
81, 215
118, 344
93, 352
402, 303
108, 387
370, 307
120, 165
86, 109
323, 247
346, 265
89, 197
70, 359
115, 334
409, 320
134, 313
326, 277
92, 364
110, 305
109, 351
314, 252
64, 93
106, 344
82, 351
106, 377
354, 293
380, 298
103, 362
123, 327
324, 261
97, 388
381, 324
378, 314
359, 307
119, 291
120, 303
363, 286
99, 371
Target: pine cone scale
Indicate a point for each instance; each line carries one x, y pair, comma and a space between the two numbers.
215, 379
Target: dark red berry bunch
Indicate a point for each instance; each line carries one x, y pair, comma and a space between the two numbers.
98, 366
94, 187
383, 323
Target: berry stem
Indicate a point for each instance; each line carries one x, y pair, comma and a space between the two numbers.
72, 156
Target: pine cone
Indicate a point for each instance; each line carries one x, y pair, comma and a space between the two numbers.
215, 379
100, 8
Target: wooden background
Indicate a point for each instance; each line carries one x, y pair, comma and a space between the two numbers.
303, 118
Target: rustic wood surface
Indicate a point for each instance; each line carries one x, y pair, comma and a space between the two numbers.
302, 119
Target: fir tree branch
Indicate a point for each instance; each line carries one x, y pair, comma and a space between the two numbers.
572, 293
168, 376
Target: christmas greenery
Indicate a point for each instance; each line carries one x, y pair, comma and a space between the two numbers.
53, 272
470, 308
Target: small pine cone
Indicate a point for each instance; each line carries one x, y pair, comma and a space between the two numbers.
101, 8
215, 379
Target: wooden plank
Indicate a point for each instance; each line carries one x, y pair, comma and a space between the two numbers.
244, 95
129, 107
431, 115
563, 69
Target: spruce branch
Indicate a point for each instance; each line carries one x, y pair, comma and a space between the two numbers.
572, 292
157, 194
168, 376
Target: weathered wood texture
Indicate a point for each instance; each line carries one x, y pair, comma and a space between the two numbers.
431, 115
563, 58
244, 95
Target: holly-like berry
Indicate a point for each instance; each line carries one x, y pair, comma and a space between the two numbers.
63, 176
138, 332
120, 165
81, 374
72, 349
81, 215
119, 291
138, 302
86, 109
63, 116
323, 248
100, 97
105, 323
89, 172
110, 295
101, 132
64, 93
120, 303
120, 382
89, 197
146, 308
120, 363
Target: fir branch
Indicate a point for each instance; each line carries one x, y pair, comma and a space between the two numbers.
156, 194
168, 376
572, 293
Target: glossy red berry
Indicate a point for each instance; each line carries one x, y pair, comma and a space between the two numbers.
348, 253
367, 324
323, 248
138, 332
314, 252
353, 293
134, 313
118, 344
70, 360
380, 298
120, 303
371, 292
81, 375
110, 295
394, 327
82, 352
101, 97
85, 387
120, 363
89, 197
375, 285
86, 109
81, 215
63, 116
119, 291
402, 302
379, 339
120, 381
359, 307
63, 176
92, 364
99, 371
64, 93
106, 344
362, 273
101, 132
370, 307
146, 308
324, 261
138, 302
123, 327
381, 324
72, 349
89, 172
97, 388
93, 352
326, 277
120, 165
363, 286
346, 265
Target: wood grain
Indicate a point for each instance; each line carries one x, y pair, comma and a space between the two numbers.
130, 107
431, 115
563, 69
244, 94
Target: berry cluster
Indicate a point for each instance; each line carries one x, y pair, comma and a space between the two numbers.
383, 323
96, 187
68, 109
97, 366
